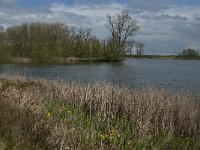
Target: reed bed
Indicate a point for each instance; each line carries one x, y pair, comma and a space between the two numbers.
43, 114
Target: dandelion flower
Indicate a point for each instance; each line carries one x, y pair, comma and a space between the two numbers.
49, 114
102, 136
111, 138
111, 134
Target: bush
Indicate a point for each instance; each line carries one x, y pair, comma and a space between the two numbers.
5, 56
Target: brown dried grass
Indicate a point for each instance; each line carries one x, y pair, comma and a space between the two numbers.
152, 111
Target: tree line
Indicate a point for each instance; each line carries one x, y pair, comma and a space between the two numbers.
189, 53
47, 42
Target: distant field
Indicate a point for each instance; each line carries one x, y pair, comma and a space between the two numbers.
160, 57
153, 56
42, 114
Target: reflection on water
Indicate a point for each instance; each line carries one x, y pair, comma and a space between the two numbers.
172, 74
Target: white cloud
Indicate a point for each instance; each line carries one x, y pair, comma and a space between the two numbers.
164, 31
170, 30
92, 16
95, 13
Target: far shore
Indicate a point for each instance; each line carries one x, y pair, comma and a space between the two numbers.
76, 60
59, 60
162, 57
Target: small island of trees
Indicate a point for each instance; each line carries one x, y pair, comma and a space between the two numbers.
58, 43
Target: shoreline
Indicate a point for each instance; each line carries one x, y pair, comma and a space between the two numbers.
59, 61
75, 60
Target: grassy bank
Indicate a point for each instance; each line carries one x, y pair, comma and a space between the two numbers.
154, 56
161, 57
57, 60
42, 114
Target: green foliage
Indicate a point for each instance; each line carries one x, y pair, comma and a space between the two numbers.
47, 42
189, 53
5, 55
42, 55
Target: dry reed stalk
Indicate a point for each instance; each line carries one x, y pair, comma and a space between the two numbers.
152, 111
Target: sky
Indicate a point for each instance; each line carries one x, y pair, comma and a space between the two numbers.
167, 26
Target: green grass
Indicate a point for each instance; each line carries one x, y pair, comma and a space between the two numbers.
89, 128
116, 132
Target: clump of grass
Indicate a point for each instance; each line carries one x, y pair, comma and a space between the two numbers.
60, 115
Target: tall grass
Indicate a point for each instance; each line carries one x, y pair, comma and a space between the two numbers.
60, 115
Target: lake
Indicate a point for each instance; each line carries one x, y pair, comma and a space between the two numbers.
136, 73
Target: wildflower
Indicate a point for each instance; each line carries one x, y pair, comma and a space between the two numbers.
49, 114
111, 134
102, 136
114, 130
69, 112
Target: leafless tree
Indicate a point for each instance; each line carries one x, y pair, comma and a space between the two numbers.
140, 48
121, 26
129, 46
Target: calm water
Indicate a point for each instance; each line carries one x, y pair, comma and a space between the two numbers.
172, 74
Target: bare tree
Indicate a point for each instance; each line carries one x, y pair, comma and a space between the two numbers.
122, 26
84, 33
129, 46
140, 48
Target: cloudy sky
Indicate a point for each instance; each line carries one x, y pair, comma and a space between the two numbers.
167, 26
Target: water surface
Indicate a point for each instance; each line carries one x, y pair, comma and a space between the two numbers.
171, 74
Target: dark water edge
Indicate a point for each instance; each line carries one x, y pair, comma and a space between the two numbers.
172, 74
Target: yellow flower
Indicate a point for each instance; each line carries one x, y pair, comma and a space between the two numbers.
111, 134
111, 138
49, 114
118, 135
102, 136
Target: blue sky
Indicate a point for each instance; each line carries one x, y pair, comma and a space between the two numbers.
39, 3
167, 26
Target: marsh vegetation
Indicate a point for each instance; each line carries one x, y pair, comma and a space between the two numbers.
43, 114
